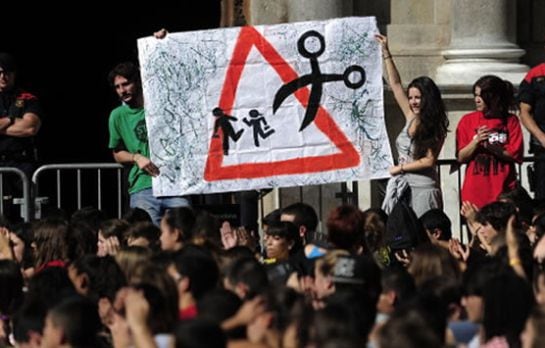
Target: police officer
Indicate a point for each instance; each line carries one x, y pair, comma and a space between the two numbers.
20, 120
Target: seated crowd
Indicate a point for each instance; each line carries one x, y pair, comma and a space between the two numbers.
373, 280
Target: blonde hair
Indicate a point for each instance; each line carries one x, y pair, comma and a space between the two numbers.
130, 259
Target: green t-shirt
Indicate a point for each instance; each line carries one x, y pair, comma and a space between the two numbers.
128, 132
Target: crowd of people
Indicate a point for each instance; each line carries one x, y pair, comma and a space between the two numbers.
377, 280
168, 275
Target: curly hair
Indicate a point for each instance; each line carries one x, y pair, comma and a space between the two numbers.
433, 127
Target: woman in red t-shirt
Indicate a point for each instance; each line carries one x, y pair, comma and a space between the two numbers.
489, 140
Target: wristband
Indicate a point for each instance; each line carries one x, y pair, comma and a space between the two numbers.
401, 169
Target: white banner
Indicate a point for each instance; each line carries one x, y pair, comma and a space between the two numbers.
266, 106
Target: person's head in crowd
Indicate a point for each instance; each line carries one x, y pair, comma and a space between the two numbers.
96, 277
50, 243
374, 226
89, 215
163, 313
49, 286
130, 258
281, 240
195, 273
397, 288
199, 333
408, 329
72, 323
218, 305
206, 230
474, 280
323, 275
176, 228
432, 309
20, 237
229, 256
135, 215
8, 69
99, 279
507, 302
270, 219
28, 324
304, 217
449, 291
358, 274
338, 272
279, 306
523, 203
429, 261
494, 218
143, 234
111, 232
82, 239
437, 225
358, 317
345, 229
533, 335
246, 277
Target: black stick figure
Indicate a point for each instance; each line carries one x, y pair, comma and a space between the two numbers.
255, 123
223, 121
315, 79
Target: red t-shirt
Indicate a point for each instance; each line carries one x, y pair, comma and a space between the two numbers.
486, 175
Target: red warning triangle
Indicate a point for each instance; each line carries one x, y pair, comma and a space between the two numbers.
215, 170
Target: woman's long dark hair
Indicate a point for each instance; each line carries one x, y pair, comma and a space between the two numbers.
497, 94
433, 127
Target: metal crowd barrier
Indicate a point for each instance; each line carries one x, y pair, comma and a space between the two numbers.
57, 188
26, 199
84, 189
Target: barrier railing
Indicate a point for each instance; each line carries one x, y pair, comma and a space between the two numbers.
59, 187
97, 168
26, 199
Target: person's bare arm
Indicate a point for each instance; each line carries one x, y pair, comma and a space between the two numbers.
26, 126
394, 80
420, 164
144, 163
466, 153
513, 248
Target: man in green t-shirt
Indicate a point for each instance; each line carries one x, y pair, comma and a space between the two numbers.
129, 142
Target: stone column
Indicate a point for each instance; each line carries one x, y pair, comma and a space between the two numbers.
418, 32
309, 10
483, 35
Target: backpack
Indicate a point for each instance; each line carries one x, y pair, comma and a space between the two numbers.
403, 229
